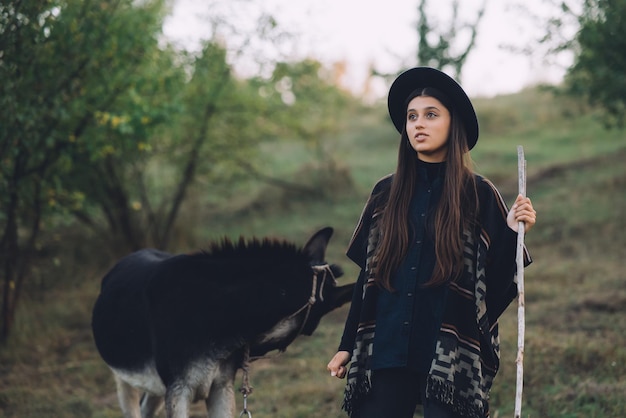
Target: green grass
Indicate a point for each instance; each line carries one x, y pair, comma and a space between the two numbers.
575, 351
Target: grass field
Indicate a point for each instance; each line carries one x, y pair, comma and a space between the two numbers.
575, 355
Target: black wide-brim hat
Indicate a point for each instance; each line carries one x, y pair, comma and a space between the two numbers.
420, 77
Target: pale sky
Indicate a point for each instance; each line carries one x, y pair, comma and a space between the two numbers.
382, 32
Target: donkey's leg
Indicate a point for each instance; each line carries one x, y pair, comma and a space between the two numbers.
177, 400
151, 405
129, 398
221, 400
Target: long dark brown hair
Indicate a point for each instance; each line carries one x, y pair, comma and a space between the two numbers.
456, 211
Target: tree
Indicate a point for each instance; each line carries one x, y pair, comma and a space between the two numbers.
589, 34
440, 47
161, 130
62, 64
312, 104
101, 121
436, 47
600, 61
305, 105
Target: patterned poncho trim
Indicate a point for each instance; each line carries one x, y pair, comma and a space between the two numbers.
467, 353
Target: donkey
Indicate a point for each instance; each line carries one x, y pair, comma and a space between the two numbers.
174, 329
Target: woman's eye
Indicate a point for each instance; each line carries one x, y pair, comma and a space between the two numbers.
412, 116
431, 115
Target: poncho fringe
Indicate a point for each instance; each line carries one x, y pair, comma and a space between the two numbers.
445, 393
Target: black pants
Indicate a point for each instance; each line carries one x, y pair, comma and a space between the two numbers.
395, 393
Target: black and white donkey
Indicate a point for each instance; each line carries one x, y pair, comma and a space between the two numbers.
174, 329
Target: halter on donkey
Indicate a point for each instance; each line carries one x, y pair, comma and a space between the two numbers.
326, 271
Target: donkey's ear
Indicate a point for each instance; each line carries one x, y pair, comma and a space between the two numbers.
316, 245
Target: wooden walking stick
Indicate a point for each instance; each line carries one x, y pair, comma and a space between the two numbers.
521, 327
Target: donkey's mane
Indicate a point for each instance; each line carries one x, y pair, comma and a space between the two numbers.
266, 248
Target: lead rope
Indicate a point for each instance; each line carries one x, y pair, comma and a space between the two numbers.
245, 388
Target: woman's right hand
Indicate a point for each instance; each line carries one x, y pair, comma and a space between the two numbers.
337, 365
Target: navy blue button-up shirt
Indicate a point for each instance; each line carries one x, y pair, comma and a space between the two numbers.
408, 318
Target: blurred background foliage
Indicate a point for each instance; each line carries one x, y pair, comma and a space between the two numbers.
111, 140
105, 127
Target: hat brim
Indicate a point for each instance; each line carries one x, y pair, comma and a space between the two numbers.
419, 77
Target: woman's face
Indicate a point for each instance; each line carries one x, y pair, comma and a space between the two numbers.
428, 126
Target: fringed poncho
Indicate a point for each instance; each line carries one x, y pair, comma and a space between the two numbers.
467, 354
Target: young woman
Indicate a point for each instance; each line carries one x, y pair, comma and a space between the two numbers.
436, 246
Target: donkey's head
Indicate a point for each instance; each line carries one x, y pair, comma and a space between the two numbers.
323, 296
328, 296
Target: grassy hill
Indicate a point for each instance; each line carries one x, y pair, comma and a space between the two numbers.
575, 355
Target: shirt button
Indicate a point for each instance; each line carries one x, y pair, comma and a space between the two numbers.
413, 268
409, 294
422, 215
419, 241
406, 323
